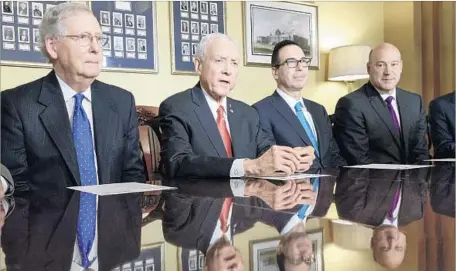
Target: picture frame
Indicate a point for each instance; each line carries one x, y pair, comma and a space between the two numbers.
151, 258
19, 40
267, 23
190, 21
131, 27
190, 259
263, 253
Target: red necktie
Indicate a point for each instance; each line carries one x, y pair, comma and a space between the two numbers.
221, 125
224, 214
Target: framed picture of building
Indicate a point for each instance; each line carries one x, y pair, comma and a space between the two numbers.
267, 23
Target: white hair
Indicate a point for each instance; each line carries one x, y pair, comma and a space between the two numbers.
51, 26
206, 40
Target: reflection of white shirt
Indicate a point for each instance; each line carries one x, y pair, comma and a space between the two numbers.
385, 95
217, 234
237, 169
386, 221
5, 190
68, 95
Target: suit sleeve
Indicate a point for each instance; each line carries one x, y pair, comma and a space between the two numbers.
336, 159
441, 134
133, 167
13, 149
419, 147
350, 133
265, 136
178, 158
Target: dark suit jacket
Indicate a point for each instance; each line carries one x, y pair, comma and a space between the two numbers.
365, 132
191, 143
366, 196
442, 188
442, 115
37, 141
40, 235
278, 121
190, 222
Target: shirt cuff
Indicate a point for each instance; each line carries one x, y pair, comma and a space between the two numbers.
237, 169
4, 184
237, 187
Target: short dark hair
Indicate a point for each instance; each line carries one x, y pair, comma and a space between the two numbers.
281, 261
277, 47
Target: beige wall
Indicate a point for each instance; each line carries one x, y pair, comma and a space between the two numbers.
340, 23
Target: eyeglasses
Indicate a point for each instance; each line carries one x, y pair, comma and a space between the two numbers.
293, 62
302, 259
85, 39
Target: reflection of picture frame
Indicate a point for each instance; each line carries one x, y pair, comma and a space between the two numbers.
129, 21
191, 27
151, 258
190, 259
267, 23
23, 34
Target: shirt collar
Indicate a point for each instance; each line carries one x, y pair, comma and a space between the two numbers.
214, 105
68, 92
385, 94
291, 101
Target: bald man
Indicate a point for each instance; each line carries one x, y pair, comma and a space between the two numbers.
388, 246
381, 123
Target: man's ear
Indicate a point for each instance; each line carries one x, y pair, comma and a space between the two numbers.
51, 48
198, 65
275, 71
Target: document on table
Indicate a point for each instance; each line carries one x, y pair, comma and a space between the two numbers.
298, 176
442, 160
120, 188
389, 166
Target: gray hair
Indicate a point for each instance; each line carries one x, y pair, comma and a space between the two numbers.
206, 40
51, 26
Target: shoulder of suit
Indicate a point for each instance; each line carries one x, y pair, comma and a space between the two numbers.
266, 101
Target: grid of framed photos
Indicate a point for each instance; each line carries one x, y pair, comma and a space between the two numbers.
192, 20
190, 259
152, 258
20, 37
131, 30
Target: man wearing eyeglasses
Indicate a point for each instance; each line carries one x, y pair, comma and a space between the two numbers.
290, 119
69, 129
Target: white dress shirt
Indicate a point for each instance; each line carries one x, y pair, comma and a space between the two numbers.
5, 190
394, 222
294, 220
291, 101
237, 169
385, 95
68, 96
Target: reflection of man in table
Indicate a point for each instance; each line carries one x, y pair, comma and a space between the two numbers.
23, 9
24, 35
104, 18
7, 7
129, 21
37, 11
142, 46
8, 34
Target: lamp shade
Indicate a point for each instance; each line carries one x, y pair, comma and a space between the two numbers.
348, 63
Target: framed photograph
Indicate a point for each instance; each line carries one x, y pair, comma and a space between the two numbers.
8, 33
37, 10
23, 8
190, 21
190, 259
263, 253
7, 7
24, 35
267, 23
36, 36
151, 258
132, 30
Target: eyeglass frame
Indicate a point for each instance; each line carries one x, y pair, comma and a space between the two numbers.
301, 260
306, 60
79, 37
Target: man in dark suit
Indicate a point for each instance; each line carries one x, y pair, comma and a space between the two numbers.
35, 235
68, 129
381, 123
442, 115
290, 119
442, 192
207, 134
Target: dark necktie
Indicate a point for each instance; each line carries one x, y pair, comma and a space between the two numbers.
82, 137
389, 104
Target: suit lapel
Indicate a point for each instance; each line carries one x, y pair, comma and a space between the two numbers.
382, 110
105, 121
318, 123
282, 107
203, 112
405, 114
55, 120
235, 120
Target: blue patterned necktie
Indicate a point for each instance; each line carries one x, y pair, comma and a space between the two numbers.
303, 210
305, 124
83, 143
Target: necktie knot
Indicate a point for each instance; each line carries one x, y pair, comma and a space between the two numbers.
78, 99
298, 107
389, 100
